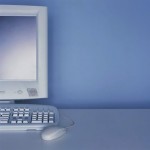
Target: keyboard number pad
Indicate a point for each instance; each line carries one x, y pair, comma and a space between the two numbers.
42, 117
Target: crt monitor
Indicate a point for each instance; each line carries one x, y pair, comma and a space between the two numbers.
23, 52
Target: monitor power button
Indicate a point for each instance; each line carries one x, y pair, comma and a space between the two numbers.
19, 91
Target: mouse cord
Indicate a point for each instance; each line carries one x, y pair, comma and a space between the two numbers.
65, 124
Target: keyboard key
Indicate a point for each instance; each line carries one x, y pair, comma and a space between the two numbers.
3, 117
36, 121
21, 109
45, 117
25, 121
7, 109
40, 117
15, 115
33, 120
34, 116
7, 116
2, 109
45, 113
3, 121
20, 115
19, 121
45, 121
51, 113
13, 121
51, 121
15, 109
34, 112
26, 109
26, 115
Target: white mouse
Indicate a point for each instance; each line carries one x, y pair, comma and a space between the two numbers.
53, 132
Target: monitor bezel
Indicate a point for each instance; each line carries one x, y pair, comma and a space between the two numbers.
16, 89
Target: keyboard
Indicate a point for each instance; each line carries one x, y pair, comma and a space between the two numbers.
27, 116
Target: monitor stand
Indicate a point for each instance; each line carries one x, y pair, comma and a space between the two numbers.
7, 101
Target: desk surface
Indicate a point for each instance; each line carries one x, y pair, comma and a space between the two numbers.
99, 129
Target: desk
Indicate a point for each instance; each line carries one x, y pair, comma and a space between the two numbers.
95, 129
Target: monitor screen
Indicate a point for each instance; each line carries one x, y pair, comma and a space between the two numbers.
18, 48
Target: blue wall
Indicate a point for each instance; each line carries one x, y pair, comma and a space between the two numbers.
99, 52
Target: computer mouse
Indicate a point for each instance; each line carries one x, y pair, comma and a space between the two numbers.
53, 132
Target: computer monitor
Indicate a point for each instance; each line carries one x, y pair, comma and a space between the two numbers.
23, 52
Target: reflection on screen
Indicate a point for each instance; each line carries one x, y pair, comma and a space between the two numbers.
18, 47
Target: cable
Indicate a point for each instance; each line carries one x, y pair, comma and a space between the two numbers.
65, 124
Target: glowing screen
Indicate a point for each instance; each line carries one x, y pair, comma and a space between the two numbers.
18, 47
